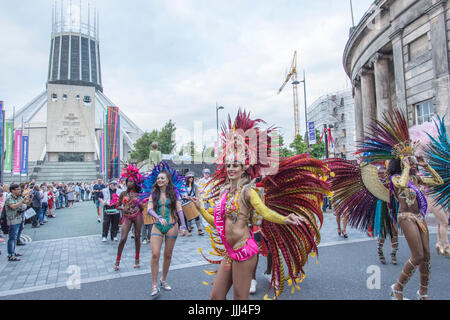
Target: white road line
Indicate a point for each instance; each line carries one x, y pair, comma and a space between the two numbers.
147, 271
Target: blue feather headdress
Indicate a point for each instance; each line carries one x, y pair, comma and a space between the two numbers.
150, 180
438, 155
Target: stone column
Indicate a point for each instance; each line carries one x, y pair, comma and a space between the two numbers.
357, 98
382, 83
399, 68
369, 106
439, 52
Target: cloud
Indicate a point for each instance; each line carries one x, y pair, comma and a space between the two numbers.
175, 59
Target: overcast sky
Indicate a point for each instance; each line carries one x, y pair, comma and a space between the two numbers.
174, 59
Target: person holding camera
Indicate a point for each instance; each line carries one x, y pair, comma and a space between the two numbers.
15, 205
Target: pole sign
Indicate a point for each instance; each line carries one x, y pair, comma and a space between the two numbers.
24, 165
312, 132
9, 134
17, 151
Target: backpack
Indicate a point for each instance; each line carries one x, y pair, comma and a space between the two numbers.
3, 221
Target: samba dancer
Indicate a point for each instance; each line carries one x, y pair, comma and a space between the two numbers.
390, 140
239, 206
132, 209
165, 185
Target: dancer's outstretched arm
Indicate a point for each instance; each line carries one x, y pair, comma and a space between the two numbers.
434, 180
205, 214
267, 213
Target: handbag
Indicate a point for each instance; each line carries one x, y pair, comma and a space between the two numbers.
29, 213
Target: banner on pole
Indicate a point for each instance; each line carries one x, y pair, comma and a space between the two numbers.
17, 150
102, 151
2, 126
113, 143
312, 133
2, 140
24, 165
9, 134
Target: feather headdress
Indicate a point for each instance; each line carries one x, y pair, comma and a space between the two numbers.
388, 139
150, 180
244, 142
131, 172
438, 155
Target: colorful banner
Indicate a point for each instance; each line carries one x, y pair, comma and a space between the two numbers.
17, 150
102, 152
24, 165
9, 135
312, 132
112, 142
2, 127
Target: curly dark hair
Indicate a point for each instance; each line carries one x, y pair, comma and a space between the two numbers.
394, 167
136, 188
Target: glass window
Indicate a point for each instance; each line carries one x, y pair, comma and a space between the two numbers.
424, 111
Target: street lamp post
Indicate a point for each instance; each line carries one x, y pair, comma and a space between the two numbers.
326, 138
217, 123
306, 108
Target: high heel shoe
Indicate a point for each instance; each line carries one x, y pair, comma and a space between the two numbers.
447, 251
422, 296
165, 285
339, 232
439, 249
394, 291
155, 292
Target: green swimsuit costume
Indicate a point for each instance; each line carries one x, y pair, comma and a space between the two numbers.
159, 225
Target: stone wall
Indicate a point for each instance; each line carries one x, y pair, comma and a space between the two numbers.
70, 122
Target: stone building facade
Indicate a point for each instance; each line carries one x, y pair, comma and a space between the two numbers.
398, 56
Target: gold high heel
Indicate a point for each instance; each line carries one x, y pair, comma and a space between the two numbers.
447, 251
440, 250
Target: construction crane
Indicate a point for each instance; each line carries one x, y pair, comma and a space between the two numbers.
292, 74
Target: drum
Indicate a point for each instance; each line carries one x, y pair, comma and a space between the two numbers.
190, 211
148, 219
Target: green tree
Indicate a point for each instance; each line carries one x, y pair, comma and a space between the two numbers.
143, 144
284, 152
166, 142
165, 139
298, 145
318, 150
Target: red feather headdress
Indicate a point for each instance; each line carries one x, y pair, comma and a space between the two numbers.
244, 142
131, 172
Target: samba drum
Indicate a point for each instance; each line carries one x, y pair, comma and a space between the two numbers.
148, 219
190, 211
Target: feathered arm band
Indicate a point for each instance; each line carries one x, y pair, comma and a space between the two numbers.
154, 214
261, 208
181, 218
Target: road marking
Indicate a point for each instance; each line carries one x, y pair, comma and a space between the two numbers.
119, 275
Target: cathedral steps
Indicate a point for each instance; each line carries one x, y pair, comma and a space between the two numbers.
66, 172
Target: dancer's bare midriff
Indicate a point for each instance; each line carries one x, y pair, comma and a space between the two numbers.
237, 232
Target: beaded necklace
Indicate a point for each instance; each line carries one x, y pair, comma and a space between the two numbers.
232, 206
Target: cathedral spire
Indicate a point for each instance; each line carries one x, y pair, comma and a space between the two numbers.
75, 50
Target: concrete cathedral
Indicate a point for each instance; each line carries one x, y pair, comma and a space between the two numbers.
64, 123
